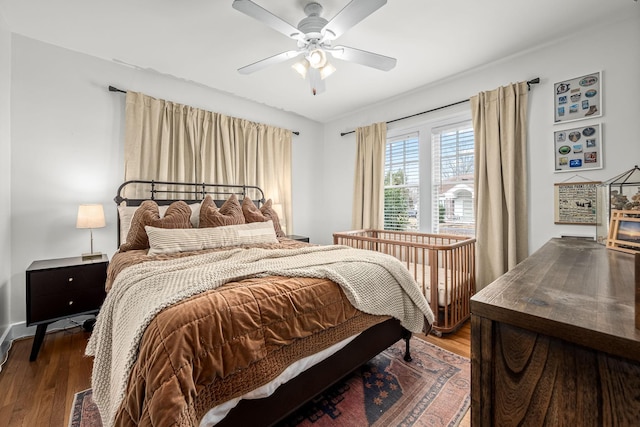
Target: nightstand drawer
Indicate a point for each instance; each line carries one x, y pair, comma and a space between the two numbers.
66, 281
64, 304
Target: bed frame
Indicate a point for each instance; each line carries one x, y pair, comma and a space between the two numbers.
301, 389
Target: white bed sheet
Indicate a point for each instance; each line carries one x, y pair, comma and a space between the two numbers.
216, 414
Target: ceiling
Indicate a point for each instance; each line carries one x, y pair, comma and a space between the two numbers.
206, 41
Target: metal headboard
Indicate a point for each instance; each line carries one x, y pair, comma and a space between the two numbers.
167, 192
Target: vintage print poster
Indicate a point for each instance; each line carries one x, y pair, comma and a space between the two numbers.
575, 203
578, 98
578, 148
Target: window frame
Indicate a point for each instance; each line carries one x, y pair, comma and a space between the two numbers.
424, 126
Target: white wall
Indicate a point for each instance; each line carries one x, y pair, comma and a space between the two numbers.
613, 49
5, 176
67, 148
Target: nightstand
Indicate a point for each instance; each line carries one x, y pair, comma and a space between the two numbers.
61, 288
298, 238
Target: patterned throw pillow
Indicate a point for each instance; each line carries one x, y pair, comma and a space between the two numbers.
251, 212
177, 216
270, 214
230, 213
265, 213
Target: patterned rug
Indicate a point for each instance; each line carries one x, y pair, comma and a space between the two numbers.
431, 390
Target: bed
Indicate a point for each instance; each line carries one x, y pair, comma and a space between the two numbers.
447, 260
239, 334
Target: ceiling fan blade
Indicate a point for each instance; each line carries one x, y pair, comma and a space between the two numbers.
363, 57
352, 13
257, 12
264, 63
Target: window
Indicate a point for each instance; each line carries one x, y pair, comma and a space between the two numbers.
429, 173
402, 183
452, 180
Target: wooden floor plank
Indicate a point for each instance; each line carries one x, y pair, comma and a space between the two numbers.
40, 393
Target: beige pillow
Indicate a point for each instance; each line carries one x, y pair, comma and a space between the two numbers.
166, 241
178, 215
230, 213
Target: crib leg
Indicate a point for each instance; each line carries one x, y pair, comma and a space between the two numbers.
406, 336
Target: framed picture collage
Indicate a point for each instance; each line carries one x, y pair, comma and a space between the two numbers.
578, 148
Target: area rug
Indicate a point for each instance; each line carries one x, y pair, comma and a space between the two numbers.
431, 390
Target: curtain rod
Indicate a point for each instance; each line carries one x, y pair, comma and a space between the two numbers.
115, 89
529, 83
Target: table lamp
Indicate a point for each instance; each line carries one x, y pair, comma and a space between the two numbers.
90, 216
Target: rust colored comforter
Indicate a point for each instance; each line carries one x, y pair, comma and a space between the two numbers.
225, 342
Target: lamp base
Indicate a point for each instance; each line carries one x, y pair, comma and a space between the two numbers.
91, 256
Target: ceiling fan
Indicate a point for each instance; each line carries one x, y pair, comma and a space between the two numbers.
314, 36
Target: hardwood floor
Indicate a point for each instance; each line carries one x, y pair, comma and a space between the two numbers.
40, 393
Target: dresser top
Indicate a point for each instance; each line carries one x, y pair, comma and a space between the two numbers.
572, 289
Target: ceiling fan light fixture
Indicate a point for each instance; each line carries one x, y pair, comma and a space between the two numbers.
317, 58
301, 67
327, 70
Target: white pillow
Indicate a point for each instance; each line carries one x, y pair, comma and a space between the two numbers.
166, 241
126, 215
195, 214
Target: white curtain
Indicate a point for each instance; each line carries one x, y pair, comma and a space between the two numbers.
368, 197
166, 141
500, 129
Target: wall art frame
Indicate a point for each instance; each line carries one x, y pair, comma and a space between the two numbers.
575, 202
579, 148
578, 98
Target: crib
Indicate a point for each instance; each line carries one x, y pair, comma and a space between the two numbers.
447, 260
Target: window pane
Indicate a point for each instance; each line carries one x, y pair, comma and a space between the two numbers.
402, 180
453, 168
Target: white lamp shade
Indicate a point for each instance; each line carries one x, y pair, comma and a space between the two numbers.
301, 67
326, 71
317, 58
90, 216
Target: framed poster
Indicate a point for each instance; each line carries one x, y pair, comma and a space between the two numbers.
578, 98
578, 148
575, 203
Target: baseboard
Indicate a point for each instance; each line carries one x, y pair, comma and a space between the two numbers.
5, 344
21, 330
16, 330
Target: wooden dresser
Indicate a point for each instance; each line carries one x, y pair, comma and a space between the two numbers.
554, 343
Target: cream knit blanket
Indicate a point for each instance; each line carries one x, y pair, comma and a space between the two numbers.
373, 282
